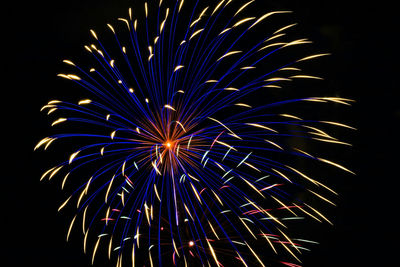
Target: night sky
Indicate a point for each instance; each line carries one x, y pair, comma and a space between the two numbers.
363, 66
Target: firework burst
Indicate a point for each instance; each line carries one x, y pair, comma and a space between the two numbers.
182, 168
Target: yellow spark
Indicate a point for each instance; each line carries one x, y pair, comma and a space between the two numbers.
195, 33
309, 214
290, 251
192, 177
297, 42
242, 21
84, 221
285, 28
223, 125
123, 168
271, 45
73, 156
110, 246
211, 81
274, 144
47, 172
229, 54
336, 165
180, 124
212, 252
44, 141
243, 105
313, 56
262, 127
145, 9
69, 62
321, 197
253, 187
108, 189
123, 198
63, 204
64, 180
94, 34
146, 210
303, 152
266, 16
283, 205
60, 120
133, 255
302, 175
70, 227
49, 143
290, 116
84, 241
288, 239
252, 166
282, 175
180, 5
178, 68
88, 48
95, 249
153, 163
320, 214
248, 68
269, 242
151, 260
243, 7
113, 135
111, 28
54, 172
176, 250
277, 79
187, 210
196, 194
318, 132
157, 195
231, 89
162, 26
338, 124
224, 31
248, 229
255, 255
217, 197
51, 111
332, 141
264, 211
290, 69
84, 102
83, 193
272, 86
212, 229
217, 7
306, 77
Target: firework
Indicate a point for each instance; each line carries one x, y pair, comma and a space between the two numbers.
182, 166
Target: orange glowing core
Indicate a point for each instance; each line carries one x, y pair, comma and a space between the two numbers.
168, 144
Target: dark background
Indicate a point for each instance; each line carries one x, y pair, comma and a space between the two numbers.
360, 35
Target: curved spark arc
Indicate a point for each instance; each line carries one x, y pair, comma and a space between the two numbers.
185, 175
